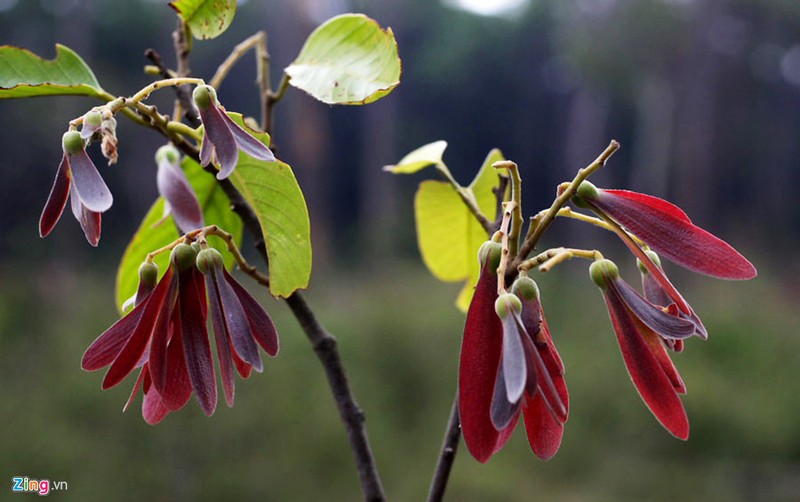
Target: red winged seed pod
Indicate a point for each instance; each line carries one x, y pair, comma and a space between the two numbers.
480, 359
165, 335
173, 185
640, 327
222, 137
544, 420
505, 370
668, 230
239, 321
77, 179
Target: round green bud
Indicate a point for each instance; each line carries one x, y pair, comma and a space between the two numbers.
525, 288
204, 96
168, 153
603, 271
653, 257
196, 246
492, 251
183, 256
93, 119
72, 142
148, 274
586, 191
208, 259
506, 302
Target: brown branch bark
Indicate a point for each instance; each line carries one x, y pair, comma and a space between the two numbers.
447, 455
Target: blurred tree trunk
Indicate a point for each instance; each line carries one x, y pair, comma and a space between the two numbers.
302, 129
695, 122
653, 136
377, 220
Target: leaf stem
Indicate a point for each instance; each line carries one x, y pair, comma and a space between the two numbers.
552, 257
467, 197
567, 212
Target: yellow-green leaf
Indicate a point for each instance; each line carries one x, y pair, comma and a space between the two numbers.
272, 191
23, 74
206, 18
151, 235
348, 60
448, 234
424, 156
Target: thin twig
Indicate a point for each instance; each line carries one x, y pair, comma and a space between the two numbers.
182, 42
508, 210
447, 455
181, 92
563, 197
236, 54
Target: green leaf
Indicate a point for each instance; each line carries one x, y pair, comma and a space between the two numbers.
206, 18
272, 191
424, 156
151, 235
348, 60
448, 234
23, 74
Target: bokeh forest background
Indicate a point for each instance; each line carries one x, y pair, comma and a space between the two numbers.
704, 96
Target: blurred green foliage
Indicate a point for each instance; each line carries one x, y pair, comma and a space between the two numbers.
400, 336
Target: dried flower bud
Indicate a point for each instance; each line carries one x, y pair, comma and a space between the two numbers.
108, 145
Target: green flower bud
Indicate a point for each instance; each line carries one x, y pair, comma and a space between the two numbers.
603, 271
653, 257
506, 302
169, 154
148, 274
490, 250
207, 259
93, 119
525, 287
72, 142
183, 256
204, 96
196, 246
586, 190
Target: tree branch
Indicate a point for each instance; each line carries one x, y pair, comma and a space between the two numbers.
181, 92
447, 455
